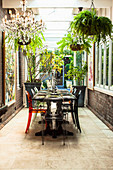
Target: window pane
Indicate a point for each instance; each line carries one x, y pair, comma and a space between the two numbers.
107, 63
10, 73
97, 55
102, 64
112, 64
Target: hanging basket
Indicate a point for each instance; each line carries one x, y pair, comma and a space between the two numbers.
89, 32
77, 47
25, 43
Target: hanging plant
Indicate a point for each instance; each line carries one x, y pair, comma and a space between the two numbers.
84, 23
87, 23
77, 47
74, 43
105, 28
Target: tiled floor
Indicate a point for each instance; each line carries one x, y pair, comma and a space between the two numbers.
92, 149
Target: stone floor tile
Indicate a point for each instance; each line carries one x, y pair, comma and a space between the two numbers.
108, 133
27, 163
90, 150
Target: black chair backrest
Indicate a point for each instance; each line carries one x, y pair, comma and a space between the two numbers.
33, 92
35, 89
76, 92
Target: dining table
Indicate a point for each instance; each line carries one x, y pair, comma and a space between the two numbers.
56, 99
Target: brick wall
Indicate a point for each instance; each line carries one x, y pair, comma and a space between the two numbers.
19, 91
102, 105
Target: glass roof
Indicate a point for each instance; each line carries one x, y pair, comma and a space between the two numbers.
57, 22
56, 14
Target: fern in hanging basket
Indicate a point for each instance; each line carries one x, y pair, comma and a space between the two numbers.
87, 23
104, 27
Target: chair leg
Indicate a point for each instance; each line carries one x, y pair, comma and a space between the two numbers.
29, 121
76, 116
42, 130
71, 105
64, 133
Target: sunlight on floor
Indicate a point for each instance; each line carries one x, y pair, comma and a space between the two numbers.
92, 149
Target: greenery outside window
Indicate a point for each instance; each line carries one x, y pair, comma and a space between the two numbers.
19, 68
9, 73
104, 65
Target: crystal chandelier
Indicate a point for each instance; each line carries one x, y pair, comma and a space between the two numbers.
22, 25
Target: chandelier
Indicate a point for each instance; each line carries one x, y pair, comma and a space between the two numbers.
21, 25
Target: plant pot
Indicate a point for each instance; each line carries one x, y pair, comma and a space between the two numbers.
29, 86
76, 47
82, 95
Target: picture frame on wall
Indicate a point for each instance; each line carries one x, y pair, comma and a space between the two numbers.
91, 64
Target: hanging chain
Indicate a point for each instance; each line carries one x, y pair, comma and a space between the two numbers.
92, 5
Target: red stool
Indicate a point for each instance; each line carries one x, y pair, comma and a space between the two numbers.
32, 110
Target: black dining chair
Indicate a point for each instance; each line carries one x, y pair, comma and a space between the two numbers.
77, 94
68, 107
58, 119
72, 106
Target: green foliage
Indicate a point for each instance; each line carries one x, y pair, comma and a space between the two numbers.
68, 52
45, 84
36, 41
65, 52
79, 58
78, 73
87, 23
74, 43
84, 23
30, 52
105, 26
65, 42
50, 62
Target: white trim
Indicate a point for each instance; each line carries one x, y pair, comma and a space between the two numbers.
18, 83
96, 63
110, 64
111, 87
100, 63
74, 66
10, 103
104, 67
107, 92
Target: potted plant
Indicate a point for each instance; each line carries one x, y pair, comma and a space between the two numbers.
38, 66
74, 42
78, 73
87, 23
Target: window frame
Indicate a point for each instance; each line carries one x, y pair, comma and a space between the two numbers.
4, 75
98, 76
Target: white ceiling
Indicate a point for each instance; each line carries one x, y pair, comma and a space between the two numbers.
57, 3
56, 14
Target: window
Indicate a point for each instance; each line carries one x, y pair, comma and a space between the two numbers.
104, 65
19, 68
112, 64
107, 62
9, 73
